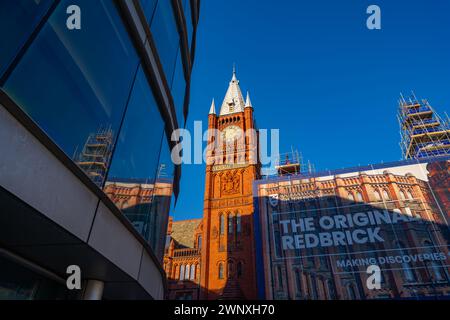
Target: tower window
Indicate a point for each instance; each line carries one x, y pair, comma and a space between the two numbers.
230, 223
221, 270
298, 281
199, 242
193, 272
187, 272
239, 269
222, 224
230, 269
238, 223
280, 277
182, 272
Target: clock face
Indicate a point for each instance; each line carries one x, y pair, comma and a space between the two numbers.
231, 133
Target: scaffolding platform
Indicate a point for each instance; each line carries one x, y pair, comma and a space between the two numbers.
423, 132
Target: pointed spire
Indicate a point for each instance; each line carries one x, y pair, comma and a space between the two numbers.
212, 110
234, 73
248, 103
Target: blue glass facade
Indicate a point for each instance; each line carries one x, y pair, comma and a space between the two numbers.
91, 92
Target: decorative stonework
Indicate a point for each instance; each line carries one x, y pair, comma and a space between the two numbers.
233, 202
220, 167
230, 183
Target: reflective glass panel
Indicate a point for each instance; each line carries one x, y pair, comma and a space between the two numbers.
75, 83
165, 34
18, 18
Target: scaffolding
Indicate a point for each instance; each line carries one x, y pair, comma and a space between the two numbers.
96, 155
423, 132
292, 163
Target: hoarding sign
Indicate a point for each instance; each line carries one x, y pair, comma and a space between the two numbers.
326, 235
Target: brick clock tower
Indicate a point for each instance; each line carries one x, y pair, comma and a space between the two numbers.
228, 255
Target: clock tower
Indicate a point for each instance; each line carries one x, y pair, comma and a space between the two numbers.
228, 253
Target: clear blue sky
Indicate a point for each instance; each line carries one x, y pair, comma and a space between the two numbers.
318, 74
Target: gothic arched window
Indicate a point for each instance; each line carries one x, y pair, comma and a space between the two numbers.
182, 272
238, 223
351, 197
187, 272
377, 195
199, 242
280, 277
359, 197
298, 281
351, 293
222, 224
220, 272
230, 223
407, 269
402, 195
239, 269
230, 269
410, 196
386, 195
434, 268
193, 272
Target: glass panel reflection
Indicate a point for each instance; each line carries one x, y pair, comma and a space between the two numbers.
148, 6
73, 93
188, 17
178, 90
139, 181
165, 34
18, 18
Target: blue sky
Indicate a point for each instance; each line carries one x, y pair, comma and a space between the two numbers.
316, 72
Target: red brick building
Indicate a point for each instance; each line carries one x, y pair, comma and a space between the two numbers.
182, 259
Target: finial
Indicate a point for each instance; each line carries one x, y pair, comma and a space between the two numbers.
212, 110
234, 73
248, 103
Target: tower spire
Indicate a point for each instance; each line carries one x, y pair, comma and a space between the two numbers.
233, 101
248, 102
212, 110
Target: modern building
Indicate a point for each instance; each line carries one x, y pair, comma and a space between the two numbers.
423, 132
90, 93
227, 255
316, 234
